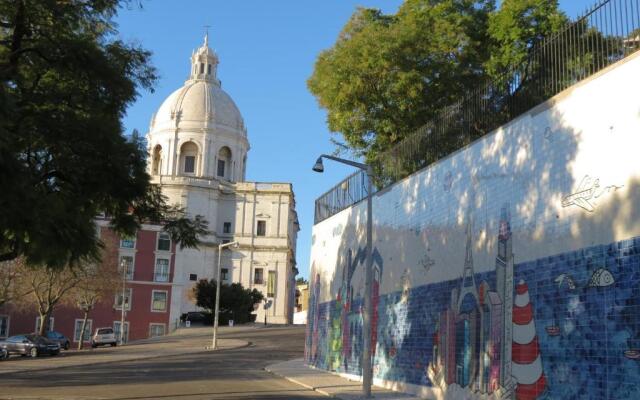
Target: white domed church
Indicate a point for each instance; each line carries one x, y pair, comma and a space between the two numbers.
198, 149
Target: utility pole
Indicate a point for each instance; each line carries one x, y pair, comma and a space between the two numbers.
123, 265
214, 341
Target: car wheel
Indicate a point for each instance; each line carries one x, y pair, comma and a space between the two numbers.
93, 345
55, 353
113, 344
33, 352
66, 345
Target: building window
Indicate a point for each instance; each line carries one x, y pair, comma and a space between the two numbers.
116, 331
193, 277
158, 300
128, 263
224, 159
127, 299
202, 68
262, 228
258, 276
164, 241
156, 330
209, 69
128, 242
224, 274
271, 284
4, 326
161, 273
189, 164
226, 227
78, 328
38, 324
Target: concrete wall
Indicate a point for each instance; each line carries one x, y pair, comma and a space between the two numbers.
510, 269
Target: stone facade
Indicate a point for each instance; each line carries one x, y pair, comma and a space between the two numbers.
198, 154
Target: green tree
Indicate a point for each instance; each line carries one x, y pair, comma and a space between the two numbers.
387, 75
66, 81
516, 27
236, 302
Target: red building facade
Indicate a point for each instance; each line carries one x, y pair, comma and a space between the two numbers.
149, 258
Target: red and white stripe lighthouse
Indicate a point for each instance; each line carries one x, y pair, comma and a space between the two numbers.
527, 363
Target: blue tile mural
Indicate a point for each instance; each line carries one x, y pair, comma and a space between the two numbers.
566, 326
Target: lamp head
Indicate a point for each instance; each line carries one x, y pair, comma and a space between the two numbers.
318, 167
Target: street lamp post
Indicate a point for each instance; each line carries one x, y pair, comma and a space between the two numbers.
124, 266
214, 341
368, 274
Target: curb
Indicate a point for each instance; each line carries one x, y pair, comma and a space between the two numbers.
139, 358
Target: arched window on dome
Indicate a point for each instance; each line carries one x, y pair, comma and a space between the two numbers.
188, 158
209, 69
223, 169
156, 163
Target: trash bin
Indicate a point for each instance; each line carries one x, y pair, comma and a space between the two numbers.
187, 323
230, 322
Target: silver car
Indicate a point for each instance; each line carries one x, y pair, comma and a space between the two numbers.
30, 345
102, 337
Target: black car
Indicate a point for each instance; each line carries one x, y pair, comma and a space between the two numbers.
196, 317
30, 345
59, 338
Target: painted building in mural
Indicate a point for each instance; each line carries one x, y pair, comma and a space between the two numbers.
508, 270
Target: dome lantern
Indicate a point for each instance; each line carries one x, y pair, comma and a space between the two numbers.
204, 64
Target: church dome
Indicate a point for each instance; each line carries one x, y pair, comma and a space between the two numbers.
200, 99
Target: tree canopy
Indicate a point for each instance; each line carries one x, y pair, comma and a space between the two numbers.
387, 75
66, 81
236, 302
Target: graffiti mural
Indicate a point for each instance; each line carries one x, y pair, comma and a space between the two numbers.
528, 330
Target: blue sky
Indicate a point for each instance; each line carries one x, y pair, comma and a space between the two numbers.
267, 50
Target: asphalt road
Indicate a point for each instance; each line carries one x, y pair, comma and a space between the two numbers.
227, 374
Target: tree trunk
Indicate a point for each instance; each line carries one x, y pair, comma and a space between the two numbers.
44, 322
84, 326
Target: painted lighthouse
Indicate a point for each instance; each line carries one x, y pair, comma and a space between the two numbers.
475, 349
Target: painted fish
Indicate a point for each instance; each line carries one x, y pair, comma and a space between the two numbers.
601, 277
562, 278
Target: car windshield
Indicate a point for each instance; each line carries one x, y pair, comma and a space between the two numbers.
105, 331
36, 338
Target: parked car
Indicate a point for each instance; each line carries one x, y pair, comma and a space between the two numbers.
103, 336
59, 338
196, 317
30, 345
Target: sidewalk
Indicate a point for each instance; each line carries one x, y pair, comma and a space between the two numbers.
329, 384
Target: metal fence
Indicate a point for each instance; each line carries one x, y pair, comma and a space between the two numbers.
348, 192
607, 33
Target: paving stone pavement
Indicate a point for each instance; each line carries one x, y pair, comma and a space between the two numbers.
328, 383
